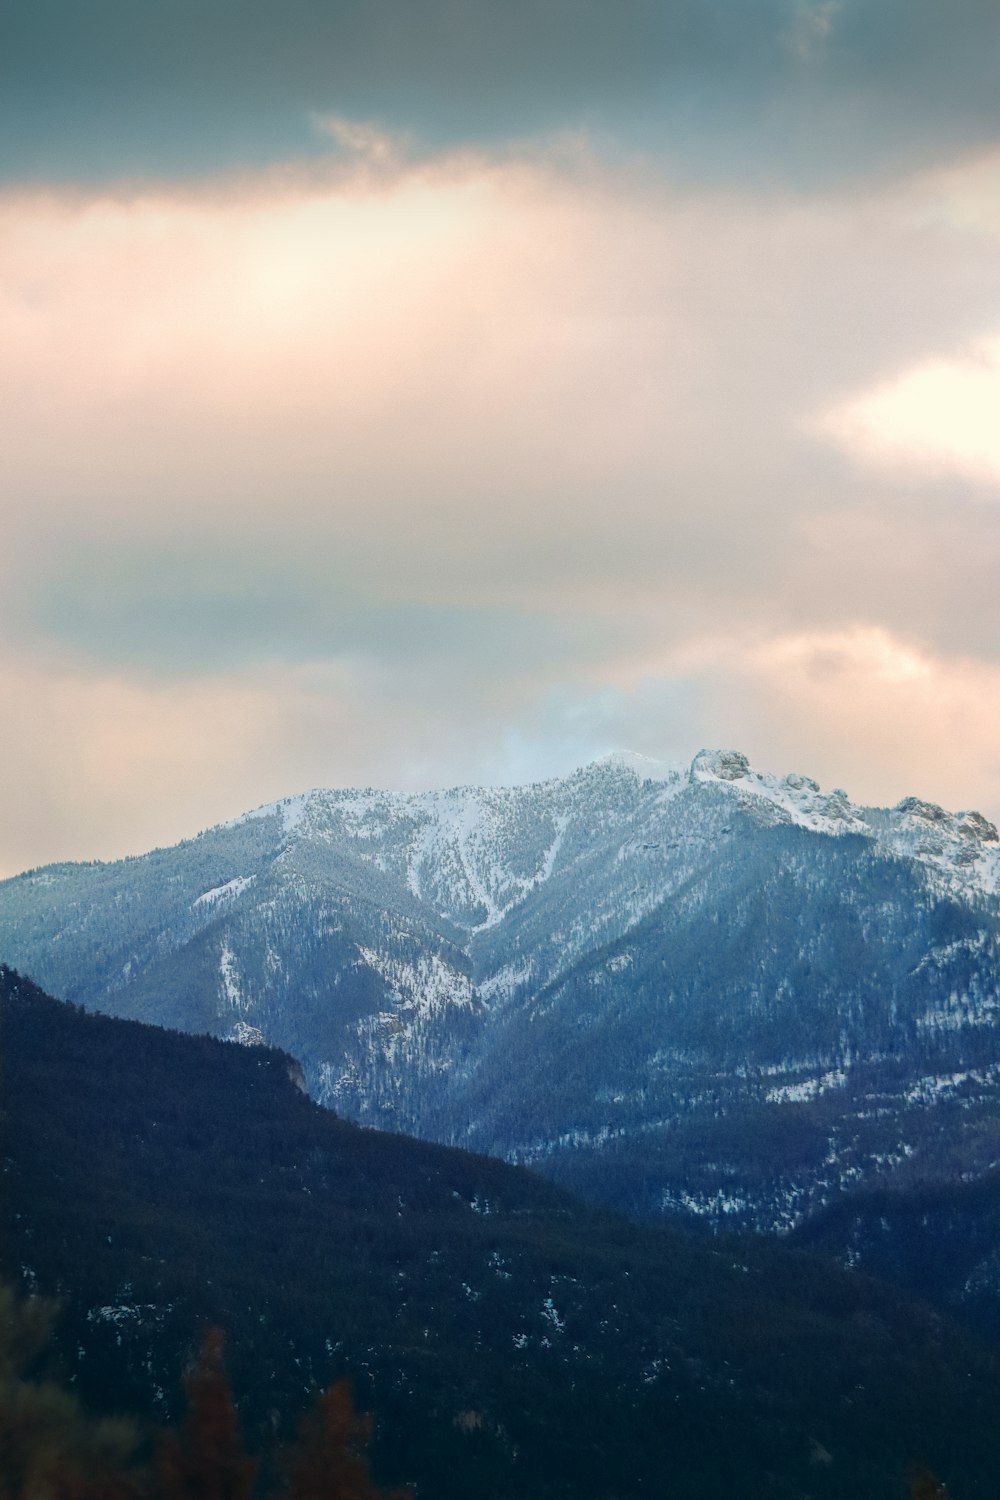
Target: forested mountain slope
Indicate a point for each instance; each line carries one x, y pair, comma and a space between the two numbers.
941, 1241
700, 990
511, 1340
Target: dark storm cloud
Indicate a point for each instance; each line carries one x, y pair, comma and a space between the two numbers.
809, 87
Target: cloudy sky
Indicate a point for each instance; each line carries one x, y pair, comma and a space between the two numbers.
405, 392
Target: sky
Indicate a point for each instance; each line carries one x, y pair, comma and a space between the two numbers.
415, 392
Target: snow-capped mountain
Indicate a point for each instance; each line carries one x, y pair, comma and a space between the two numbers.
682, 989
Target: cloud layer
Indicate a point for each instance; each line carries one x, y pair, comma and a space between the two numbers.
407, 462
780, 89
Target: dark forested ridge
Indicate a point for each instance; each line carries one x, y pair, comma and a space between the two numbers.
940, 1241
511, 1341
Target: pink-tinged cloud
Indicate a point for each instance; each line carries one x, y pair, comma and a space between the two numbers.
913, 719
472, 466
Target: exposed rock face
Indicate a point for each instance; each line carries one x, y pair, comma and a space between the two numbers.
973, 825
724, 765
928, 811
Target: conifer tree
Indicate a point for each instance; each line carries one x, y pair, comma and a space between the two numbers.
49, 1448
205, 1459
330, 1460
924, 1486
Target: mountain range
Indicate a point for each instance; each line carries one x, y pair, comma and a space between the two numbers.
702, 991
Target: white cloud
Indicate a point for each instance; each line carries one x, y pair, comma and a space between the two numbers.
941, 415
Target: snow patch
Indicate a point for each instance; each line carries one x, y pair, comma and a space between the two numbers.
502, 984
229, 891
124, 1314
293, 810
247, 1035
936, 1087
230, 978
642, 766
809, 1088
424, 988
551, 1315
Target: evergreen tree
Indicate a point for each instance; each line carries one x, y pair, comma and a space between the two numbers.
924, 1486
49, 1448
206, 1459
330, 1460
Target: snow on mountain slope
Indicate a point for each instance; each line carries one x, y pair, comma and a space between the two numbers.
470, 853
597, 973
959, 850
475, 853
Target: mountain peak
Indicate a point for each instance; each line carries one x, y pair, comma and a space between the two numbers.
720, 765
642, 766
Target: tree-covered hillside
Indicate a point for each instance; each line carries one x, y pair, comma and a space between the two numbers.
940, 1241
511, 1341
